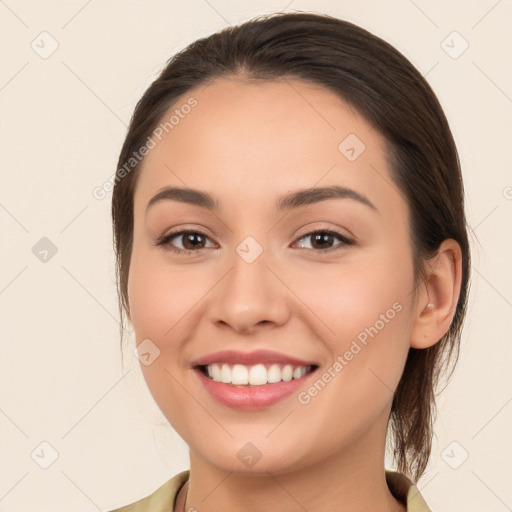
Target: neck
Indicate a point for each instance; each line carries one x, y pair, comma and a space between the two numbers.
352, 480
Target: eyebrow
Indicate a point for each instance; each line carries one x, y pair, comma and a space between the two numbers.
300, 198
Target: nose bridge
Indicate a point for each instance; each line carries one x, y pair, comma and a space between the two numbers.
250, 294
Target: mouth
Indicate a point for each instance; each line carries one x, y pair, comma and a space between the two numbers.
252, 380
255, 375
253, 388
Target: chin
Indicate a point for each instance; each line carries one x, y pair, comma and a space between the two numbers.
257, 458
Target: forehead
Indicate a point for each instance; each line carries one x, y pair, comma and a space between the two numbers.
251, 140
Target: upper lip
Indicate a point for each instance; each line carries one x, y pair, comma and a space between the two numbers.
249, 358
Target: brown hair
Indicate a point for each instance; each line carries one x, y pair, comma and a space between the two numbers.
386, 89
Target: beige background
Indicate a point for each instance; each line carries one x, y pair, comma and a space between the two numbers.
63, 122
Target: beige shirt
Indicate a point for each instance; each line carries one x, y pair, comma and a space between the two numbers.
162, 500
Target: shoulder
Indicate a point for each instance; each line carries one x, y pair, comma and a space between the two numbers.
406, 492
161, 500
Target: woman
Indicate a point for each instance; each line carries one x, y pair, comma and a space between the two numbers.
292, 253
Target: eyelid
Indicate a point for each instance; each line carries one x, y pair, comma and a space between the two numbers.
338, 231
164, 241
345, 240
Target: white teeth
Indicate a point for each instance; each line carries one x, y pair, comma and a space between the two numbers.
287, 373
274, 374
214, 372
258, 375
239, 375
225, 374
299, 372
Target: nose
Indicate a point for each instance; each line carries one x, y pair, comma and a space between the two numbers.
250, 297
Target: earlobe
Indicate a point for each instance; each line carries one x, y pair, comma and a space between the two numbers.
438, 296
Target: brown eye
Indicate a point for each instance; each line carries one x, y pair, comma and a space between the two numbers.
193, 241
190, 241
323, 240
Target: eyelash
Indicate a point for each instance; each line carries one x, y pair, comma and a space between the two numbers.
164, 241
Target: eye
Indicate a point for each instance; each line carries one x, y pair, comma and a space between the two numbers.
321, 238
191, 240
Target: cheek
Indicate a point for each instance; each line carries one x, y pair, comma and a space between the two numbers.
160, 295
367, 309
159, 302
166, 303
354, 295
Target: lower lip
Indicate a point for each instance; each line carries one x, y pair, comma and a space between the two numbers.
252, 397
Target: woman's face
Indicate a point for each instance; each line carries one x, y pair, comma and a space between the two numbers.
264, 277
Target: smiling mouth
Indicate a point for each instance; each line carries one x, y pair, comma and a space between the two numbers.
254, 375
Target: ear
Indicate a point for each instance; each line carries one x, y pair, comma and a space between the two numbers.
438, 296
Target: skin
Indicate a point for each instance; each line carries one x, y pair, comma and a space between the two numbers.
247, 144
